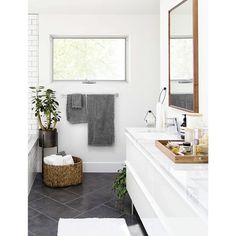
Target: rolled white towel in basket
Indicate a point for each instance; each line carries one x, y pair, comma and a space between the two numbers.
53, 160
58, 160
68, 160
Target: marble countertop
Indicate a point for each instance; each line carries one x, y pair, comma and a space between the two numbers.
192, 179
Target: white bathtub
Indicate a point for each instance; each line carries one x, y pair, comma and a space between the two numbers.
32, 158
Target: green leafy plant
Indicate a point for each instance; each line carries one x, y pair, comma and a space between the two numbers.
45, 107
119, 185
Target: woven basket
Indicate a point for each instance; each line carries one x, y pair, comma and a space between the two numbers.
62, 176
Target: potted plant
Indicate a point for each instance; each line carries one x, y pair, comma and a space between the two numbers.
119, 185
45, 107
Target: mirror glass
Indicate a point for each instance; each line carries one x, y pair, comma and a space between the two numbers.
182, 77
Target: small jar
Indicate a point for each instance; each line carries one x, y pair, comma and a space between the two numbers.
187, 146
189, 135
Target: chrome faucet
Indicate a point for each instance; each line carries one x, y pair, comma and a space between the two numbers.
174, 122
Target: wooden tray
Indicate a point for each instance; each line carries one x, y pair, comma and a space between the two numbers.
161, 145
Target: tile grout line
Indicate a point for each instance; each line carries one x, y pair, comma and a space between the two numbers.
95, 190
41, 213
79, 196
34, 210
36, 199
113, 208
31, 232
57, 202
99, 205
47, 196
84, 195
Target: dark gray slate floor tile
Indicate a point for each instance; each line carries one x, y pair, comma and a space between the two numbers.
85, 203
108, 177
105, 194
92, 182
32, 213
34, 195
42, 226
82, 189
122, 205
43, 189
40, 187
53, 209
30, 234
99, 180
38, 178
62, 195
100, 212
92, 200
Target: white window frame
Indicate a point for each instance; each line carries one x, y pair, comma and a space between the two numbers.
52, 37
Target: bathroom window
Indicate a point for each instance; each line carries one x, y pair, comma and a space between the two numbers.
88, 58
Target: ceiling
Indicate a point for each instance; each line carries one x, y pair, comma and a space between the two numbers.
94, 6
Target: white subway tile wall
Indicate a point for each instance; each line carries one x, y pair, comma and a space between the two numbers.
33, 67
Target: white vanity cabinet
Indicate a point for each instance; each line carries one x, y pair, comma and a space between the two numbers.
171, 199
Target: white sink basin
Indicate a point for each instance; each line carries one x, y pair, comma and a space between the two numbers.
148, 130
152, 134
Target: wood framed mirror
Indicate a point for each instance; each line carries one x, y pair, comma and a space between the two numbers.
183, 56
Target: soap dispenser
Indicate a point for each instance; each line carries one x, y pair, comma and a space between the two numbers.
150, 119
183, 127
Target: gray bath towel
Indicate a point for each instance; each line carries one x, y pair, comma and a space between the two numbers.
76, 100
75, 115
100, 119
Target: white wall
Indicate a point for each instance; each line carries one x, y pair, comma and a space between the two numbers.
136, 96
165, 6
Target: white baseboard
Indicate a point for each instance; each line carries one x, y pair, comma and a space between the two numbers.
105, 167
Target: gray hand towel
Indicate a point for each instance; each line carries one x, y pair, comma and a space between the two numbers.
76, 101
100, 119
62, 153
74, 115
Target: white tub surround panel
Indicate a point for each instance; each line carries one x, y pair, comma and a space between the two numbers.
33, 159
170, 198
133, 101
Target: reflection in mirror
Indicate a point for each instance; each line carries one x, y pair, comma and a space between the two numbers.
181, 57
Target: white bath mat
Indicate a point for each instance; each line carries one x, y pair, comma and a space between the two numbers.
92, 227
